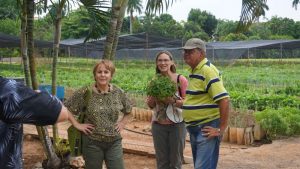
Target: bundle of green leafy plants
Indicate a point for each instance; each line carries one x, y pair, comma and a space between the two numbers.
161, 87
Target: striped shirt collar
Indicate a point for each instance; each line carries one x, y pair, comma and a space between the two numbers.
199, 66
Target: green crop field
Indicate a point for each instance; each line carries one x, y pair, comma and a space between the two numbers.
252, 84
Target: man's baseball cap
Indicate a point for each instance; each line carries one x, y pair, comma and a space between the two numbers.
194, 43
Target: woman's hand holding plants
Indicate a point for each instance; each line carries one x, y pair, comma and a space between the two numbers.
151, 101
169, 100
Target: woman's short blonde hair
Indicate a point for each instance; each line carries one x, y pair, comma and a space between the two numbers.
108, 65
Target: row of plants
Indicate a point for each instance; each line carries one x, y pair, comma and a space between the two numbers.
258, 102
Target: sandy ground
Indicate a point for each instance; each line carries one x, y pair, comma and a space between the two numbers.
282, 153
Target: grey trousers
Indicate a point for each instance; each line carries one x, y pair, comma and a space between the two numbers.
169, 141
95, 152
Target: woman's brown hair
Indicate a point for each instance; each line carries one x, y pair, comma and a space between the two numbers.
172, 68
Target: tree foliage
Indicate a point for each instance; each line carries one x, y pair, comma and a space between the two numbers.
199, 23
8, 9
224, 28
43, 28
259, 30
163, 25
204, 19
283, 26
9, 26
235, 37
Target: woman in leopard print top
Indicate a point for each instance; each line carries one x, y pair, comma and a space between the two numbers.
108, 109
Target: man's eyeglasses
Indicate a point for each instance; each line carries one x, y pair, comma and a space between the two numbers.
188, 51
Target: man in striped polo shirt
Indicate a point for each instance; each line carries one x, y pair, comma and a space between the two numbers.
206, 106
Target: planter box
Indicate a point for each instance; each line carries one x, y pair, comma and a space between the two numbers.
240, 136
225, 137
248, 136
142, 114
259, 133
232, 135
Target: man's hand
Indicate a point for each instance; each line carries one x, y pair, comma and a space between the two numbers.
211, 132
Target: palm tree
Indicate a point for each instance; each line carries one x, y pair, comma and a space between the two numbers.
252, 10
134, 5
118, 30
295, 3
53, 160
56, 12
23, 17
117, 14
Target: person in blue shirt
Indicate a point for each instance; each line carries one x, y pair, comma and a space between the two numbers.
20, 104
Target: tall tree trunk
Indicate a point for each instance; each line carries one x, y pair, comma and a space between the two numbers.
131, 22
30, 45
53, 160
118, 29
116, 7
23, 38
57, 36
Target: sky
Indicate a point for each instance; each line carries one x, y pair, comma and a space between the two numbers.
231, 9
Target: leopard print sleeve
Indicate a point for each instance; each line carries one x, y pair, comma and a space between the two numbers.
76, 102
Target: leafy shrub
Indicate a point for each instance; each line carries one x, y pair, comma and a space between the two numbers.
281, 122
259, 102
161, 87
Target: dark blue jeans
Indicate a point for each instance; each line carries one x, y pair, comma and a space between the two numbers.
205, 151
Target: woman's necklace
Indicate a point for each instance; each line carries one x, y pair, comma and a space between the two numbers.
106, 89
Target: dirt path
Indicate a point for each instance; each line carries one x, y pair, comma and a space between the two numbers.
283, 154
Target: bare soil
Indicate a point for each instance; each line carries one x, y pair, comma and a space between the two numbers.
283, 153
33, 153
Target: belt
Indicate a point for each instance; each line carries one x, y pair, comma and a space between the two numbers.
196, 122
172, 124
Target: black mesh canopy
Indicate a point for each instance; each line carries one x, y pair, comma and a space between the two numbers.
143, 45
